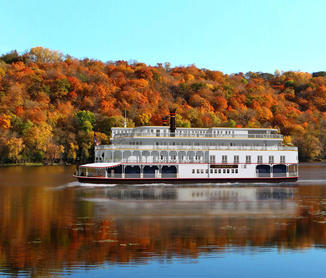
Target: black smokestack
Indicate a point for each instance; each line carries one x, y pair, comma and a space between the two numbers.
165, 121
172, 121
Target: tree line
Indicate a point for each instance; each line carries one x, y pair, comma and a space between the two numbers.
51, 104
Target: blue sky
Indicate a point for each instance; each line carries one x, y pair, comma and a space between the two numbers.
230, 36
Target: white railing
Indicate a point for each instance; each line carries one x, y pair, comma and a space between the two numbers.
193, 147
199, 135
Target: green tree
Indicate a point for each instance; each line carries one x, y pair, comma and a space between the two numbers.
85, 120
180, 122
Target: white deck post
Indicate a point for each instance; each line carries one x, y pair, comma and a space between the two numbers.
123, 171
141, 171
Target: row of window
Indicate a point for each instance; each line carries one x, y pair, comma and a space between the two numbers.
199, 144
178, 131
236, 159
215, 171
248, 159
122, 131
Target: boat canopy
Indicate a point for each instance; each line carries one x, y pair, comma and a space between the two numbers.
100, 165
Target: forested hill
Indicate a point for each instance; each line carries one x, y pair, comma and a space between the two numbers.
51, 105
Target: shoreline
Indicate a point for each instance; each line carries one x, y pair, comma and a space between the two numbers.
31, 164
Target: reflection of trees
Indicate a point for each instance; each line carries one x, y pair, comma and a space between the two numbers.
44, 229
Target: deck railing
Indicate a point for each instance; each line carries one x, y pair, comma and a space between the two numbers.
199, 135
193, 147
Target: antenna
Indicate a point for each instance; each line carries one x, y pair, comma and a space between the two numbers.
125, 125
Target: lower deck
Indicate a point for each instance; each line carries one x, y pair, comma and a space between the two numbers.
183, 173
98, 180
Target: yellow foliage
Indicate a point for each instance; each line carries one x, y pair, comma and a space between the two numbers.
144, 119
267, 114
15, 146
72, 151
102, 138
2, 72
189, 77
298, 129
210, 86
5, 121
39, 136
287, 140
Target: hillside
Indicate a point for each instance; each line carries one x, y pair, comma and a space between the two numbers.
51, 105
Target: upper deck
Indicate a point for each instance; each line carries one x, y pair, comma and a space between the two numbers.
205, 133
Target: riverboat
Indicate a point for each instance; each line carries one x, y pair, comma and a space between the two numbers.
170, 154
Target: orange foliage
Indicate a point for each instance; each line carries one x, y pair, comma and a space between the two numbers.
44, 88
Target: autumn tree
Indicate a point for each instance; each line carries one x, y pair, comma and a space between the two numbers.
51, 103
44, 55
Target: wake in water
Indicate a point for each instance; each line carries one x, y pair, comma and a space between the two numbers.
78, 184
92, 185
312, 182
67, 185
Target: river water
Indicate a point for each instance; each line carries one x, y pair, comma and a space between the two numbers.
50, 226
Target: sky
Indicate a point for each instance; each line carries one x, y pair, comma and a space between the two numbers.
229, 36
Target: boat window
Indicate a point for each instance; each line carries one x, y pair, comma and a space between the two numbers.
271, 159
218, 171
197, 171
282, 159
224, 171
211, 171
236, 171
202, 171
193, 171
228, 171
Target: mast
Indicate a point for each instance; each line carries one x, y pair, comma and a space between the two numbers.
125, 124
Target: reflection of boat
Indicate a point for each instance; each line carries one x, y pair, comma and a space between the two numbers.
195, 200
162, 154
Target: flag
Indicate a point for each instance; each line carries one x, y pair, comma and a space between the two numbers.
96, 143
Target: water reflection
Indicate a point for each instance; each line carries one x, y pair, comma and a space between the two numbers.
192, 201
45, 232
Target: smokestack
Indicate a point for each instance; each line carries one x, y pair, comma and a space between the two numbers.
165, 121
172, 121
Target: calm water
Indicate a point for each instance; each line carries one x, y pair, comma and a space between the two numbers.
51, 226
